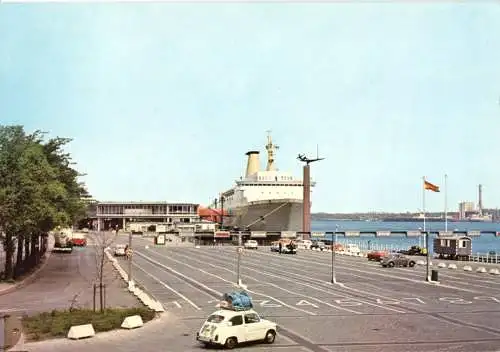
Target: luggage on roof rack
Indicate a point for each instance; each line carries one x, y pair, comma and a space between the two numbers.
236, 300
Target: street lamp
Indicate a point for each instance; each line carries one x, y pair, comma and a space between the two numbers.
240, 249
334, 245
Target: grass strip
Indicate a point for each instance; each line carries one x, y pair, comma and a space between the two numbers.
57, 323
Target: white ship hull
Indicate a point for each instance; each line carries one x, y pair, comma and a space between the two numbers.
269, 215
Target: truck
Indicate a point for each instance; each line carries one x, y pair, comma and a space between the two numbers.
63, 242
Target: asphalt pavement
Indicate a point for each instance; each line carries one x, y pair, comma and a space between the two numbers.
67, 280
369, 309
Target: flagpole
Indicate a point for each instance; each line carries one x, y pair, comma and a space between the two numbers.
445, 203
423, 199
427, 266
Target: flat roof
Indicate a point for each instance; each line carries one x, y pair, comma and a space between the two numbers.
143, 203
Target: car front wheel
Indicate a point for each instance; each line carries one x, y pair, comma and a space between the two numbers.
270, 337
391, 265
411, 264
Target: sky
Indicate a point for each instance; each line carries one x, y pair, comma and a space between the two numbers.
163, 100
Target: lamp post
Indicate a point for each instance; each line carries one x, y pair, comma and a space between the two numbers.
130, 259
240, 249
334, 246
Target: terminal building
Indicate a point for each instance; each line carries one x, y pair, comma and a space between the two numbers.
146, 216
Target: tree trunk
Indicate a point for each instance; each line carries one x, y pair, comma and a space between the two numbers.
9, 256
19, 259
28, 263
34, 246
101, 278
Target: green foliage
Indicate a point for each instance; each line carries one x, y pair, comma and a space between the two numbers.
57, 323
39, 189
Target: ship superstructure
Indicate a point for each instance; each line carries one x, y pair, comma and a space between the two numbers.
265, 200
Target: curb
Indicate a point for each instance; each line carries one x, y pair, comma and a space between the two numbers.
145, 298
33, 276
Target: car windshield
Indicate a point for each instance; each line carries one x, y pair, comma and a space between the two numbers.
215, 318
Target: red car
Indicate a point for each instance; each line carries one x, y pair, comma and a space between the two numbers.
376, 255
79, 241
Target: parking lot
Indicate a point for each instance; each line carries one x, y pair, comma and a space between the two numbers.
370, 309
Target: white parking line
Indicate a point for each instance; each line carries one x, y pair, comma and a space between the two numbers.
168, 287
278, 287
376, 272
306, 285
216, 293
222, 279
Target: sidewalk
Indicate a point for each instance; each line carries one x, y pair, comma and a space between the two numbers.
67, 279
166, 333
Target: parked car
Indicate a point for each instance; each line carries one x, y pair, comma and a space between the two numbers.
229, 328
414, 250
251, 244
318, 245
275, 246
304, 244
376, 255
397, 259
352, 248
78, 239
287, 246
120, 250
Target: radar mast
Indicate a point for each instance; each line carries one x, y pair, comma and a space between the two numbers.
271, 148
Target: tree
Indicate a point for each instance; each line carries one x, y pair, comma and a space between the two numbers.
38, 191
102, 241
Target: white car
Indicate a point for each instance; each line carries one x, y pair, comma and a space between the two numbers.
352, 249
304, 244
120, 250
251, 244
228, 328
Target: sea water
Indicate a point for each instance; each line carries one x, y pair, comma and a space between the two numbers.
481, 244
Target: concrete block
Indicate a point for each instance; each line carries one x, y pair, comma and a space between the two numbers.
144, 298
132, 322
156, 306
420, 262
81, 331
467, 268
197, 247
147, 247
481, 269
441, 265
452, 266
494, 271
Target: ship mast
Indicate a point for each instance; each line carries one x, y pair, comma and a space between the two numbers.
271, 148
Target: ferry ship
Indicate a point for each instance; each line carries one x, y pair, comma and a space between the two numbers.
264, 200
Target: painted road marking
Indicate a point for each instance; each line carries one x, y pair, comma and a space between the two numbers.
261, 272
266, 304
175, 303
276, 286
348, 302
379, 272
220, 278
487, 298
303, 302
215, 292
168, 287
454, 300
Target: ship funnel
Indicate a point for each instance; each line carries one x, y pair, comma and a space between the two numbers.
253, 163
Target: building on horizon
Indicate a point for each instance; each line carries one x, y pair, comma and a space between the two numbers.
122, 215
464, 209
